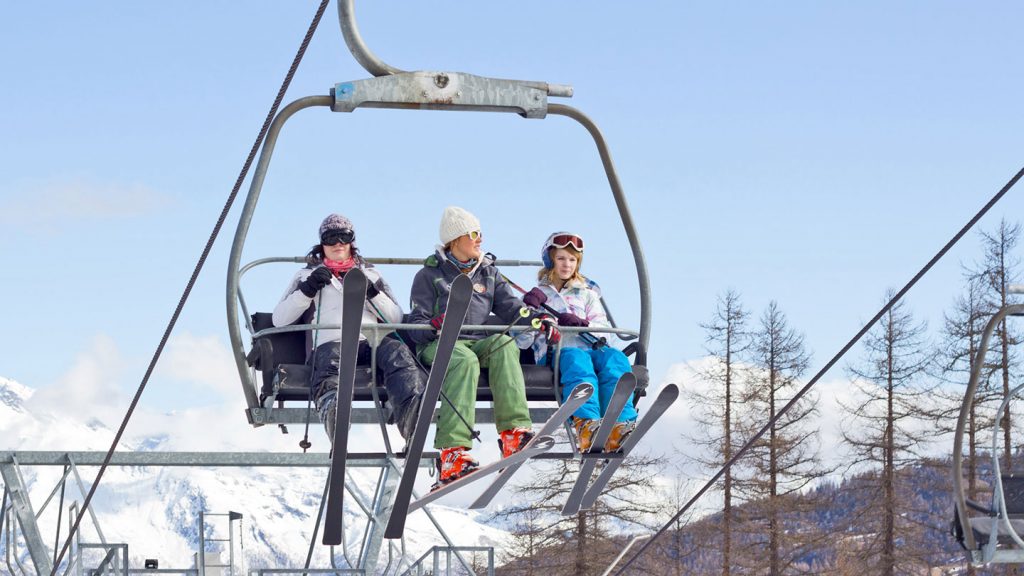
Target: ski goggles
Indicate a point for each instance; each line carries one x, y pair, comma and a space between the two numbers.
342, 236
563, 240
475, 235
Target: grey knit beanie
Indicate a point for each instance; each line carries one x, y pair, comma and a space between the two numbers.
335, 222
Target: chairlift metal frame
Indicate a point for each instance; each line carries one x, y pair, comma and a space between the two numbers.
393, 88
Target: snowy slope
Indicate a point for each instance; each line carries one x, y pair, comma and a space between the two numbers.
155, 510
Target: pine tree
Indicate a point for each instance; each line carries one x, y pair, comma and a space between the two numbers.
886, 428
998, 269
961, 338
726, 341
584, 543
784, 461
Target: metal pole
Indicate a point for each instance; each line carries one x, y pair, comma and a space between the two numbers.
624, 213
248, 386
202, 544
623, 553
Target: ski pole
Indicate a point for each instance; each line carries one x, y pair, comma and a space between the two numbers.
523, 313
305, 444
475, 434
594, 341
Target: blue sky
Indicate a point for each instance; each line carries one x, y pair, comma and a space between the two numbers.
813, 153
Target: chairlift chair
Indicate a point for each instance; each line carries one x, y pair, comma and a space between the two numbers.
990, 533
272, 373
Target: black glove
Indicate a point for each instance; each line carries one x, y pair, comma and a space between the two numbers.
570, 319
371, 291
315, 281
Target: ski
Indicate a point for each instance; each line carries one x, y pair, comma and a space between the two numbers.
580, 394
459, 296
353, 299
656, 410
538, 445
622, 394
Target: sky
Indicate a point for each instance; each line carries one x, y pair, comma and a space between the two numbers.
811, 153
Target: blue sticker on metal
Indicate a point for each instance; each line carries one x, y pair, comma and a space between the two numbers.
344, 91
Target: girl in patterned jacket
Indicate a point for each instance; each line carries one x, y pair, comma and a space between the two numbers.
578, 303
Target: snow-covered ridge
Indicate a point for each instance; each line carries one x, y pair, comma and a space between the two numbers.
14, 394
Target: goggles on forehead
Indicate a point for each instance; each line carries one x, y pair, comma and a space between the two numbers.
563, 240
342, 236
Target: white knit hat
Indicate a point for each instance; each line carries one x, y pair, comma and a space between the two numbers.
455, 222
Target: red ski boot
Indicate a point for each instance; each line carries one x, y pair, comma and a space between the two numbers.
514, 440
454, 464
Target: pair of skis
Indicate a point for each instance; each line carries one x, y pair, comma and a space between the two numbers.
352, 303
584, 495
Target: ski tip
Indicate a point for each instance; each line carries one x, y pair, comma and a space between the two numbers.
583, 391
671, 390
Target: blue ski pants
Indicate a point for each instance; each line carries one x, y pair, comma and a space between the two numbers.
601, 367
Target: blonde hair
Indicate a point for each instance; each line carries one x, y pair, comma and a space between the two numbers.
551, 277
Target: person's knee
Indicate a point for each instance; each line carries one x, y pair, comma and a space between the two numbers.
464, 359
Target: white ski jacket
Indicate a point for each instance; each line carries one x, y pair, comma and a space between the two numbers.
327, 305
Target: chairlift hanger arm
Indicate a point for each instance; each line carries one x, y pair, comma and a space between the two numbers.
378, 68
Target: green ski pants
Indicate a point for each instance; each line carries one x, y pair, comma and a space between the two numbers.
505, 376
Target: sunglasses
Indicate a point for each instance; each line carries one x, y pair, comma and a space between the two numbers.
475, 235
343, 236
563, 240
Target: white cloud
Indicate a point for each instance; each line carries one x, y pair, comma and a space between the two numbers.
90, 386
203, 361
49, 203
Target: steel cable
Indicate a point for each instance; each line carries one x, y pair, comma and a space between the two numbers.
195, 274
938, 256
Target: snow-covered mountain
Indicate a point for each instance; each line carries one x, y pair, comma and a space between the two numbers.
155, 510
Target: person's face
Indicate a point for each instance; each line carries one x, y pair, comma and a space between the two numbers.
565, 263
467, 246
338, 251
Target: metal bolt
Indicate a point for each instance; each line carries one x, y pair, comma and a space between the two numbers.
441, 80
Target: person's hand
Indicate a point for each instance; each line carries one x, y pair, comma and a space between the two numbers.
371, 291
570, 319
549, 328
437, 322
316, 280
535, 298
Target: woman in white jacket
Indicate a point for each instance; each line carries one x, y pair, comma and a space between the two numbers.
577, 302
318, 288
